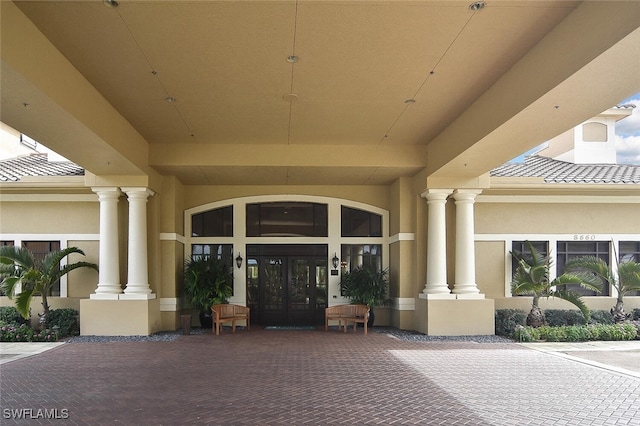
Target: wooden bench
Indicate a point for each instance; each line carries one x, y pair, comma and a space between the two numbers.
226, 313
347, 313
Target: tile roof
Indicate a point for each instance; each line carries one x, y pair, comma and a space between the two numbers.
14, 169
556, 171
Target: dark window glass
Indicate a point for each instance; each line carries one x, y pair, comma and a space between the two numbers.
568, 250
213, 223
222, 252
541, 247
355, 255
40, 249
360, 223
630, 252
287, 219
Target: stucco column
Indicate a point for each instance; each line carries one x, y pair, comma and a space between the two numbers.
138, 277
436, 241
109, 262
465, 280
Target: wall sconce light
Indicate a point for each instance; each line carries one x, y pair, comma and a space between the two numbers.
335, 261
239, 261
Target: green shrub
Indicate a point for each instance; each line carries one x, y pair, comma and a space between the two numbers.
636, 324
601, 317
66, 320
24, 333
577, 333
558, 317
10, 315
526, 334
508, 319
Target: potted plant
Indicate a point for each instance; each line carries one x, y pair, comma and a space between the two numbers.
531, 278
365, 286
207, 282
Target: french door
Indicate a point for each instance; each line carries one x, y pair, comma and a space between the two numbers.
287, 284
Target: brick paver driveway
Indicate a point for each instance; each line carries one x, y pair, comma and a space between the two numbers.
312, 377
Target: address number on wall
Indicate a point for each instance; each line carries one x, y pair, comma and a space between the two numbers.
584, 237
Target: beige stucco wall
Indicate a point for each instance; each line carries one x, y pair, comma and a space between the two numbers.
172, 205
490, 268
33, 217
119, 317
455, 317
82, 282
538, 218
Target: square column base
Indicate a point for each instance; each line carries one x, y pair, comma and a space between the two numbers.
119, 317
137, 296
104, 296
437, 296
459, 317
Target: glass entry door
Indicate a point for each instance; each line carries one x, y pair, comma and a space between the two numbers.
287, 284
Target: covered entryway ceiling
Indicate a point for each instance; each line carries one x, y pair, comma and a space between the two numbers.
310, 91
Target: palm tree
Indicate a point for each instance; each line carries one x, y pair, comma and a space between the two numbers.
628, 279
18, 266
531, 278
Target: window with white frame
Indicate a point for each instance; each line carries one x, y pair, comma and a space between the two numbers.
522, 247
40, 249
568, 250
356, 255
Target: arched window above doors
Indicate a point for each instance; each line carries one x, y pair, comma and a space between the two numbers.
213, 223
360, 223
287, 219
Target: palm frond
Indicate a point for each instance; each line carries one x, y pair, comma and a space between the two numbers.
523, 288
9, 285
629, 277
23, 301
594, 265
583, 279
576, 299
51, 261
68, 268
17, 256
533, 258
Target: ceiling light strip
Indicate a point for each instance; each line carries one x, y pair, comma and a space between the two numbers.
433, 70
167, 97
293, 63
411, 101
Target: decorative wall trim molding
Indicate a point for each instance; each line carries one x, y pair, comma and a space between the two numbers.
172, 236
49, 198
402, 236
63, 238
404, 303
558, 199
170, 304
